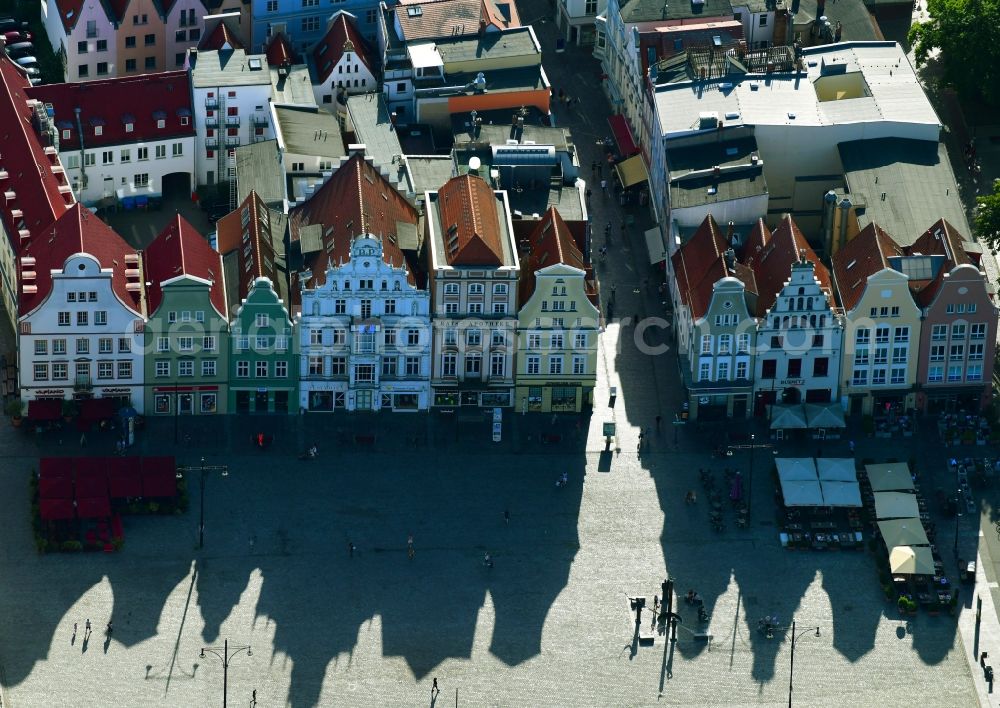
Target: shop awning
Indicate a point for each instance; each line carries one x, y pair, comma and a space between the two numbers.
801, 492
796, 468
45, 409
91, 475
93, 409
654, 246
123, 477
893, 476
53, 509
159, 477
911, 560
632, 171
623, 135
55, 487
903, 532
896, 505
93, 507
787, 416
829, 415
836, 469
836, 493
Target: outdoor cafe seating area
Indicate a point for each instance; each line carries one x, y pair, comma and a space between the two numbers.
964, 429
819, 502
902, 522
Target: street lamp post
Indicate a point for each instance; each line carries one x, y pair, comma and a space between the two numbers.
958, 516
204, 469
225, 657
749, 490
791, 669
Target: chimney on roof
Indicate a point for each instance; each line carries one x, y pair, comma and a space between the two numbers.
482, 27
731, 227
730, 258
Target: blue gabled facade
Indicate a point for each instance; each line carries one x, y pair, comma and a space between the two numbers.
305, 24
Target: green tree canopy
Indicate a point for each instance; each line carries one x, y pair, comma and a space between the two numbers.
988, 218
968, 34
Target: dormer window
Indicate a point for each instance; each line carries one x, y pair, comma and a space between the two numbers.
161, 123
129, 127
98, 130
65, 134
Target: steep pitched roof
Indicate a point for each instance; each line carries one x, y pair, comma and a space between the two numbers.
341, 36
550, 242
79, 231
862, 256
29, 166
219, 37
430, 19
279, 51
162, 96
119, 8
69, 13
355, 200
771, 254
249, 225
941, 239
179, 250
699, 264
470, 222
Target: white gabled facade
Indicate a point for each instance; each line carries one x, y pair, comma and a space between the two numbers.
90, 28
82, 340
364, 337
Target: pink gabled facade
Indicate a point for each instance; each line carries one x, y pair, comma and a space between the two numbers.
82, 33
183, 28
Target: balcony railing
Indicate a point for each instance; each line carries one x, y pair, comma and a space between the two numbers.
211, 103
83, 383
259, 118
232, 142
212, 121
233, 121
211, 142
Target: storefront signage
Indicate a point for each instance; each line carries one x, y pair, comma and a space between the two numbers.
793, 382
114, 391
50, 392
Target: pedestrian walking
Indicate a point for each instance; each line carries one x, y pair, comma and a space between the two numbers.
663, 589
83, 440
642, 434
74, 630
588, 194
409, 547
604, 186
434, 688
506, 516
350, 549
613, 289
659, 419
850, 444
86, 629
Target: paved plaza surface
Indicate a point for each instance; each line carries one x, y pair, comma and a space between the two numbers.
548, 625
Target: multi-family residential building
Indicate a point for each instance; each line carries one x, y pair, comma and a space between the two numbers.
115, 150
263, 367
187, 332
958, 334
183, 28
558, 322
799, 333
364, 331
31, 146
474, 269
344, 288
305, 21
882, 325
141, 37
311, 144
341, 62
82, 307
575, 19
231, 92
713, 324
84, 34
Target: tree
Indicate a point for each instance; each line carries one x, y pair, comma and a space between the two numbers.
988, 218
966, 33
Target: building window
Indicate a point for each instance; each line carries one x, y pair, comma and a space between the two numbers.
958, 331
105, 370
104, 345
821, 366
41, 347
208, 367
555, 365
161, 152
448, 365
101, 317
130, 65
706, 344
185, 344
124, 369
272, 5
862, 336
901, 334
763, 20
957, 351
102, 45
141, 179
60, 372
149, 40
364, 373
976, 351
473, 364
162, 344
977, 330
705, 371
939, 333
262, 320
81, 319
882, 334
162, 368
260, 369
281, 369
897, 375
310, 24
208, 343
130, 44
102, 68
41, 372
974, 372
878, 377
150, 64
769, 368
579, 365
64, 319
243, 369
58, 346
389, 366
83, 71
412, 365
937, 352
473, 337
533, 364
954, 372
860, 377
935, 373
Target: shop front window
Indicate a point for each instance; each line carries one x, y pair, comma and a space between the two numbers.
321, 401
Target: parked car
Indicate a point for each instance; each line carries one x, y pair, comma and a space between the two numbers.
16, 47
14, 36
9, 24
32, 70
27, 61
35, 80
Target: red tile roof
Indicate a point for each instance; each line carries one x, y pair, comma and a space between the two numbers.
551, 242
341, 37
33, 175
279, 51
355, 200
770, 256
150, 97
79, 231
69, 13
698, 265
219, 37
180, 250
941, 239
259, 260
451, 18
862, 256
470, 222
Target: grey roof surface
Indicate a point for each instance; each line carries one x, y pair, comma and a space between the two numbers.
740, 184
500, 133
310, 131
372, 127
229, 68
852, 14
916, 178
258, 168
491, 46
295, 89
517, 79
695, 158
231, 270
311, 238
428, 172
652, 10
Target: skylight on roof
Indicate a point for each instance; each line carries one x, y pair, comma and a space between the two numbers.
414, 11
255, 65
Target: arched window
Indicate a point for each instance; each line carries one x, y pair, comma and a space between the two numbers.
315, 308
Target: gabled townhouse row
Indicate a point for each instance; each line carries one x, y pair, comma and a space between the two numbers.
757, 323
